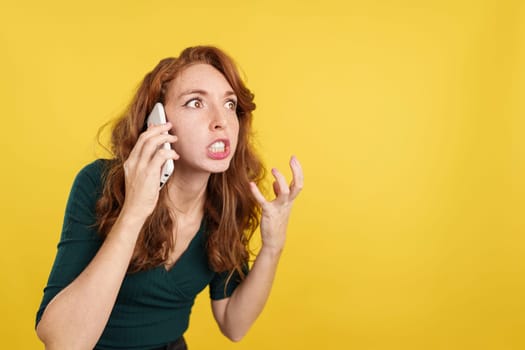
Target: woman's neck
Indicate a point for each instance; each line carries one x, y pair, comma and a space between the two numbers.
187, 193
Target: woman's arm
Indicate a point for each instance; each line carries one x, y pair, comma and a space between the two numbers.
236, 314
75, 318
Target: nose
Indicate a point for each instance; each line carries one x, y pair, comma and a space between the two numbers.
218, 120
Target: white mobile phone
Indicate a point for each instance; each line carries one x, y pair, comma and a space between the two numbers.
157, 117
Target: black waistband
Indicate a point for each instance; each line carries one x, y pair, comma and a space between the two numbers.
179, 344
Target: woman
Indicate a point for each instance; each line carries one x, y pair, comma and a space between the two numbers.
132, 257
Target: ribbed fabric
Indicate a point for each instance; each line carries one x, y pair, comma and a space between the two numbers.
152, 307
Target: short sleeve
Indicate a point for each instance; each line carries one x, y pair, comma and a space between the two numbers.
79, 241
222, 285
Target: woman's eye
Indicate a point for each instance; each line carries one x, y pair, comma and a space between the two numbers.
195, 103
231, 104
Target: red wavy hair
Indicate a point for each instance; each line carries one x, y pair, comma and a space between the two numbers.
231, 213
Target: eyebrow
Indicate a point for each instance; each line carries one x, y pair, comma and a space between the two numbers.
203, 92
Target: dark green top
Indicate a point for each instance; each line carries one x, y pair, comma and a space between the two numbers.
153, 306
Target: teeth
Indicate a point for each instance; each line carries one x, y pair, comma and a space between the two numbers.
217, 147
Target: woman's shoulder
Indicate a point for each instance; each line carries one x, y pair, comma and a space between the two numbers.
95, 168
93, 172
89, 180
86, 190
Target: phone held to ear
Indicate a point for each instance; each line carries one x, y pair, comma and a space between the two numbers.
158, 117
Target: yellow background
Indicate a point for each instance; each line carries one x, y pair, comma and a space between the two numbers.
408, 117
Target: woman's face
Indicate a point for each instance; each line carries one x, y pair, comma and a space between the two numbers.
201, 105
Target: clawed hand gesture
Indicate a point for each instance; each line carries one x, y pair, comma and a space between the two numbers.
275, 213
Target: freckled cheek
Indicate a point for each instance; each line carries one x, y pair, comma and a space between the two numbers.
175, 132
235, 140
235, 126
177, 145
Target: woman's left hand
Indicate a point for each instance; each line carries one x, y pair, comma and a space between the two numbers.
275, 213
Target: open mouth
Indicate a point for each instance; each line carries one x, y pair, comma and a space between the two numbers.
219, 149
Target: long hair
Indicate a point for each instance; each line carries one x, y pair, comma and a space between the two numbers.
231, 213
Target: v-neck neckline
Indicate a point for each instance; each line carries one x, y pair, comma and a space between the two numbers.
184, 253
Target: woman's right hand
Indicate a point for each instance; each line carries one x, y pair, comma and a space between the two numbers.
142, 170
